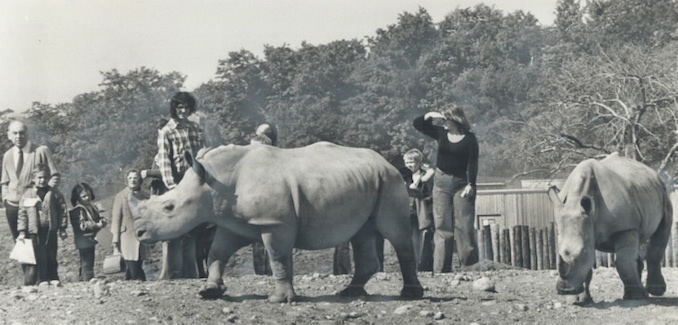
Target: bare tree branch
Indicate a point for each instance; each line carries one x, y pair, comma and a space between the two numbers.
581, 144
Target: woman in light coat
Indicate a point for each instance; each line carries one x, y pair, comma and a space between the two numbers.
122, 226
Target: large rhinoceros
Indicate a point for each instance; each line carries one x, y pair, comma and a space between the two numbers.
314, 197
614, 205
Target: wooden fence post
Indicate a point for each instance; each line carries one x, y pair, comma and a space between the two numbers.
526, 246
487, 242
481, 244
533, 248
547, 248
518, 245
506, 246
599, 260
554, 245
540, 249
496, 250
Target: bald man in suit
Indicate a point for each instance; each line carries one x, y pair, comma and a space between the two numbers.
17, 165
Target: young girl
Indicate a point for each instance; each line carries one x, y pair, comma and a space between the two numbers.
86, 223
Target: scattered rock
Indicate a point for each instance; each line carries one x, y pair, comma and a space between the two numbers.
521, 307
402, 309
557, 305
571, 299
227, 311
439, 315
454, 283
426, 313
29, 289
100, 289
138, 293
484, 284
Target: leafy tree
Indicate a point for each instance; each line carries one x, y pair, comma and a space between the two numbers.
639, 22
104, 132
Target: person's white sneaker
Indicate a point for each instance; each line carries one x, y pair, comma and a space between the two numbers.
55, 283
43, 284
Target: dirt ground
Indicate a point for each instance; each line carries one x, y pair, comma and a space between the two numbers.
520, 296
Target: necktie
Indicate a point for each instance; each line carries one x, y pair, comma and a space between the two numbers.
20, 162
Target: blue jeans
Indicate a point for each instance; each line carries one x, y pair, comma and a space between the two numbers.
453, 219
86, 263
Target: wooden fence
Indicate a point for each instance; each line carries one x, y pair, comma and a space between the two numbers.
515, 227
536, 248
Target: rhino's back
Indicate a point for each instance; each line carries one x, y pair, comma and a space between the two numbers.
321, 186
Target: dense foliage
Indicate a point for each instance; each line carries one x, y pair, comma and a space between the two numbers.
540, 98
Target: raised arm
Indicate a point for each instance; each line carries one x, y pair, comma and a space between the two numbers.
424, 124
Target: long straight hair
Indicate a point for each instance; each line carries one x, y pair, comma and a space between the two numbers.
456, 113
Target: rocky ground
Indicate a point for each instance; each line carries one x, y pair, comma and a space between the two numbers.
464, 297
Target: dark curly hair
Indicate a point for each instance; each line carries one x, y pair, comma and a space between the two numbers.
182, 98
79, 188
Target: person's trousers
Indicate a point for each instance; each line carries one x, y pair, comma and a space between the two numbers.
260, 259
12, 214
341, 261
45, 249
204, 235
48, 245
180, 259
134, 270
86, 264
424, 247
453, 219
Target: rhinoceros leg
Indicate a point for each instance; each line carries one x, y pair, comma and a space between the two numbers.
279, 242
365, 258
627, 251
584, 298
398, 231
656, 285
225, 244
408, 267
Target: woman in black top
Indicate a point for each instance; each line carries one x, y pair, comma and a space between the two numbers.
454, 190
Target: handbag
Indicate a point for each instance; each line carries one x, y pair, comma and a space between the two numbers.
23, 252
113, 264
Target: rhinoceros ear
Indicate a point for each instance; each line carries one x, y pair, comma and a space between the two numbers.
553, 195
196, 165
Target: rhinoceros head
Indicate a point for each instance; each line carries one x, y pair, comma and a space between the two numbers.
179, 210
576, 242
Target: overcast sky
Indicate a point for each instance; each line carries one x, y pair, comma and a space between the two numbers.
52, 50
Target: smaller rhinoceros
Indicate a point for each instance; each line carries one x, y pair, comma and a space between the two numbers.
615, 205
314, 197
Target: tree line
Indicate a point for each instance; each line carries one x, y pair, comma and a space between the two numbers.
541, 98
